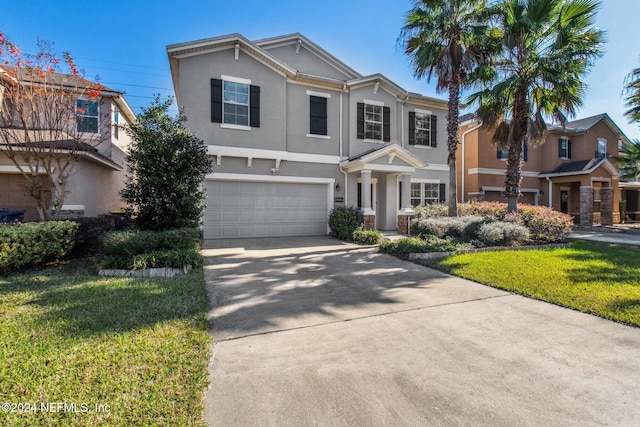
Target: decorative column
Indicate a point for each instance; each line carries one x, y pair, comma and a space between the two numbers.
586, 205
406, 212
606, 206
369, 215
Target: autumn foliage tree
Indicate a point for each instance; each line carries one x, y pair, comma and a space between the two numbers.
39, 128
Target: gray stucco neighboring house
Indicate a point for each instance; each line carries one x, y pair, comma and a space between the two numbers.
294, 132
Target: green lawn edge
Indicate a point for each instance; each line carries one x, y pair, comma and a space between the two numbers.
596, 278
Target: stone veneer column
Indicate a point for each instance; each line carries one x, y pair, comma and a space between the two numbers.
406, 213
586, 205
369, 215
606, 205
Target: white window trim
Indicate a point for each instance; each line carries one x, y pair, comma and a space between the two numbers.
371, 102
564, 138
235, 80
423, 197
232, 126
312, 135
427, 113
381, 122
319, 94
419, 111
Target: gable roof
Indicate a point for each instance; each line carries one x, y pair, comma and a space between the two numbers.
583, 125
363, 161
581, 167
301, 40
260, 51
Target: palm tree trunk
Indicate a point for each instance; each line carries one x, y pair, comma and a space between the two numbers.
516, 134
452, 141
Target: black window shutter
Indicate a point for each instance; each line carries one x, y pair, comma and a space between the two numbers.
434, 130
412, 128
360, 120
559, 147
442, 191
254, 106
386, 124
216, 100
569, 148
317, 115
525, 151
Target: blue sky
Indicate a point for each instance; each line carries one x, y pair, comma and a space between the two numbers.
124, 41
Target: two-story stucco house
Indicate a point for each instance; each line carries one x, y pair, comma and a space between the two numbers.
573, 170
93, 137
294, 132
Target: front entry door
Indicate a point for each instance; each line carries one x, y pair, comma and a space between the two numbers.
564, 201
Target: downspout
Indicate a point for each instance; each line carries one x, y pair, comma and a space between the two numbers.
402, 119
550, 190
346, 187
463, 170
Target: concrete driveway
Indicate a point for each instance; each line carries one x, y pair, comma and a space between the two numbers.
311, 331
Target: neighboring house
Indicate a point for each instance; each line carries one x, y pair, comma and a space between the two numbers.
294, 132
573, 170
97, 178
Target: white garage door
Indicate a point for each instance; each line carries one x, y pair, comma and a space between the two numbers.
264, 209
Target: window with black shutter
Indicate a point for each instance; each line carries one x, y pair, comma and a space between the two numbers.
317, 115
422, 129
235, 103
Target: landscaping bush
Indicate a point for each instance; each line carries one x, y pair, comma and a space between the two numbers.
34, 243
431, 210
343, 221
463, 228
367, 237
129, 243
503, 233
151, 249
408, 245
545, 225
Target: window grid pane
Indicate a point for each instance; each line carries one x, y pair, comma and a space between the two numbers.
236, 103
373, 122
423, 129
87, 113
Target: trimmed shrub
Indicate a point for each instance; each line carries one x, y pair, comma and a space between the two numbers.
408, 245
503, 233
129, 243
463, 228
34, 243
343, 221
150, 249
367, 237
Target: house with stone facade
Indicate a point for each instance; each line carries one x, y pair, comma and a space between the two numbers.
573, 170
294, 132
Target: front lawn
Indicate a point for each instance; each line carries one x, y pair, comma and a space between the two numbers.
78, 350
601, 279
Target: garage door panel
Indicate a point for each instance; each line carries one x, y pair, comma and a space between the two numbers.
258, 209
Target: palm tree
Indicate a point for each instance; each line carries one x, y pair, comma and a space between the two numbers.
629, 160
442, 38
545, 49
632, 90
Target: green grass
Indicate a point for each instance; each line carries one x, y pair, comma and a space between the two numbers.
139, 346
601, 279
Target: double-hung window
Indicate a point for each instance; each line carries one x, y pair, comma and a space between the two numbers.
374, 121
422, 128
424, 193
602, 148
116, 124
235, 103
564, 148
87, 116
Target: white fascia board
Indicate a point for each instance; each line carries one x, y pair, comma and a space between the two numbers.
225, 151
83, 154
489, 171
361, 166
215, 176
436, 167
522, 190
15, 169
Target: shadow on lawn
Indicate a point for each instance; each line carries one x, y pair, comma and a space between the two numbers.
605, 262
76, 301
